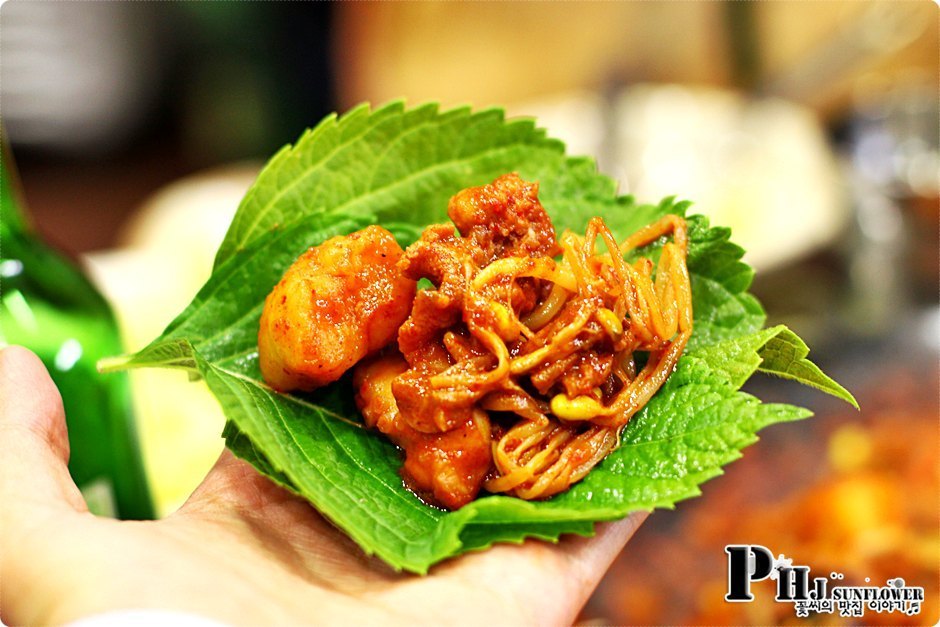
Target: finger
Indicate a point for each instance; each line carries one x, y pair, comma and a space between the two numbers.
567, 573
34, 444
547, 583
585, 561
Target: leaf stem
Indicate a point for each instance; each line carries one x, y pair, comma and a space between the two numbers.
126, 362
115, 363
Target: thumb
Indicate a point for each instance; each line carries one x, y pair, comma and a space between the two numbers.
34, 444
36, 491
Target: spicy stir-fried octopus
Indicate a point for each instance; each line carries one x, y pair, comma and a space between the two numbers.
519, 370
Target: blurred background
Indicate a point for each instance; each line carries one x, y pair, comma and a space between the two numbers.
810, 128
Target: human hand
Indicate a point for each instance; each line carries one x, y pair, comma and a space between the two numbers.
241, 550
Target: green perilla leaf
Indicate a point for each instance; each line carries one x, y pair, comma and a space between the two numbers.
398, 166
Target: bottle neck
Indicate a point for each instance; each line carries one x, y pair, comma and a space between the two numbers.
12, 207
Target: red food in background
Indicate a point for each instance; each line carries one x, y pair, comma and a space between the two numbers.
846, 492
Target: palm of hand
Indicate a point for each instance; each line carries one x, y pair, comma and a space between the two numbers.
241, 550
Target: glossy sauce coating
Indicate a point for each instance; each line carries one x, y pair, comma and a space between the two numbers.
339, 302
495, 221
447, 468
516, 372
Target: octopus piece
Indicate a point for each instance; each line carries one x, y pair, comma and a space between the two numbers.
339, 302
501, 220
446, 468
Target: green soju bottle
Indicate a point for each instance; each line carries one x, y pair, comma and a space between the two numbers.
49, 306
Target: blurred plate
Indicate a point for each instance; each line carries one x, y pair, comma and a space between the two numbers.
761, 166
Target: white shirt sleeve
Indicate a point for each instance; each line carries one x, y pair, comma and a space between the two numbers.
145, 618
